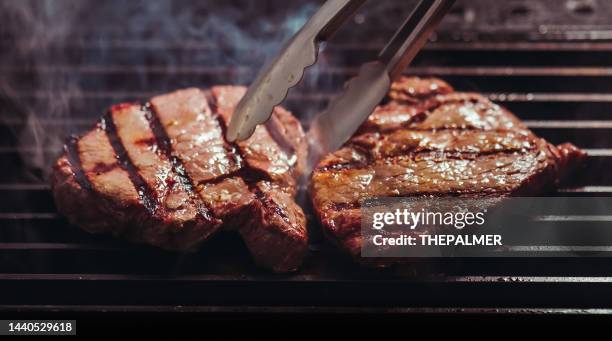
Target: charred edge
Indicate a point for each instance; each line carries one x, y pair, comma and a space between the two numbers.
231, 149
219, 179
148, 197
147, 142
458, 155
249, 174
72, 153
270, 204
373, 141
101, 168
165, 146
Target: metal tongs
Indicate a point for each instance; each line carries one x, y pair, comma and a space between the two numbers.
345, 113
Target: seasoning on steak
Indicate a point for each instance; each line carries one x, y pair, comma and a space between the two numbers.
431, 141
163, 174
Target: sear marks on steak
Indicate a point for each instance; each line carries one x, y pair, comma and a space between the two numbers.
163, 174
429, 140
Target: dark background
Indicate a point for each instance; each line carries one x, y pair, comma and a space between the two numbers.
62, 62
68, 60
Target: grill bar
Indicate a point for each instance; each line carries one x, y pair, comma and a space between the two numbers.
569, 124
550, 97
303, 294
501, 97
300, 278
562, 90
307, 310
587, 189
507, 71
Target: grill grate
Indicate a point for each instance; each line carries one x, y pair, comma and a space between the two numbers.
561, 89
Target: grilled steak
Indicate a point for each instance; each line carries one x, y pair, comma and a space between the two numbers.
431, 141
163, 174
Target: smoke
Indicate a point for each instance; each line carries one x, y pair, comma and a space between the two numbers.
64, 61
29, 29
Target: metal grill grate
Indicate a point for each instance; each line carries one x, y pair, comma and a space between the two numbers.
561, 88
